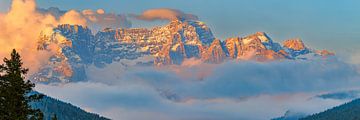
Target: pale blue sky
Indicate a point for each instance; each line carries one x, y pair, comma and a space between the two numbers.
324, 24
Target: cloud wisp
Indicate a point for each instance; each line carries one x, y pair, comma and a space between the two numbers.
96, 19
165, 14
101, 19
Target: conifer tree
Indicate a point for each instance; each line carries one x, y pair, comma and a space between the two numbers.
15, 92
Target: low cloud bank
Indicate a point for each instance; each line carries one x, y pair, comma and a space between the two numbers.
233, 90
239, 79
139, 102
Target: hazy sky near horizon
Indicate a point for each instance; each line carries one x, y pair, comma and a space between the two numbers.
322, 24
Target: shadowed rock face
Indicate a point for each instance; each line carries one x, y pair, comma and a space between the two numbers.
77, 47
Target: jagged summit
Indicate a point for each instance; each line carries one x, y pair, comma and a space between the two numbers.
296, 47
170, 44
295, 44
262, 36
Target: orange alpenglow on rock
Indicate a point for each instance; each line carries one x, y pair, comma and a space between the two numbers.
215, 53
64, 69
234, 47
295, 44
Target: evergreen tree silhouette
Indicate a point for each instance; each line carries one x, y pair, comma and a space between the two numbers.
15, 92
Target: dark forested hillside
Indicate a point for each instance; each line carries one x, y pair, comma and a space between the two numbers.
64, 111
348, 111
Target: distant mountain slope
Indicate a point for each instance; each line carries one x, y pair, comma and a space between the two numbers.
64, 111
348, 111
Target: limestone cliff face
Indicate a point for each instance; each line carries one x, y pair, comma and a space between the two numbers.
257, 46
71, 47
169, 44
234, 47
215, 53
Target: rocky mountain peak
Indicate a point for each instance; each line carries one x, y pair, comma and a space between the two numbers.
263, 37
295, 44
257, 36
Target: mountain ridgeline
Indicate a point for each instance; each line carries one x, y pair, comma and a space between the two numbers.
77, 47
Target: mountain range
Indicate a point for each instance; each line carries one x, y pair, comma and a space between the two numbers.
75, 47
